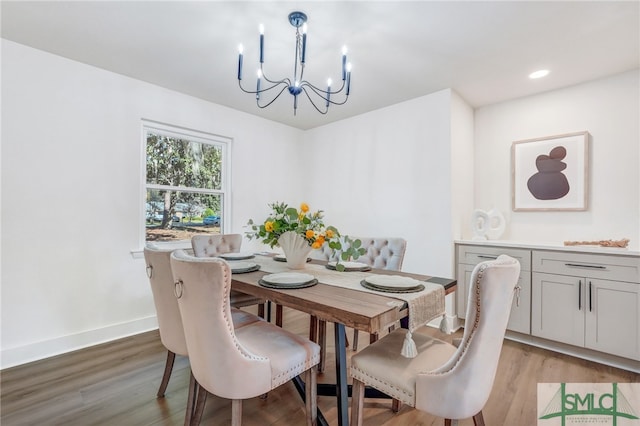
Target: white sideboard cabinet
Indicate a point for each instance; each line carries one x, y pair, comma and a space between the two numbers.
470, 255
583, 301
588, 300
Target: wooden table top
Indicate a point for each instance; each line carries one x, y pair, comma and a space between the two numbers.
364, 311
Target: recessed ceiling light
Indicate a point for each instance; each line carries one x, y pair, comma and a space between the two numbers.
539, 74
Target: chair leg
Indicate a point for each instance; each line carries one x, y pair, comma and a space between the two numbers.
191, 399
449, 422
373, 337
201, 401
261, 310
478, 420
311, 396
395, 405
168, 367
357, 402
279, 315
322, 341
236, 412
355, 340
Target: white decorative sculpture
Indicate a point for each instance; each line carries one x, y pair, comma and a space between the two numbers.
487, 224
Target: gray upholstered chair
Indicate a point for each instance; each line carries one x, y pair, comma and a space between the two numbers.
444, 380
212, 245
158, 266
241, 363
381, 253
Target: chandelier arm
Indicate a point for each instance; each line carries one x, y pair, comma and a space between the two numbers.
317, 89
321, 93
313, 103
272, 100
277, 83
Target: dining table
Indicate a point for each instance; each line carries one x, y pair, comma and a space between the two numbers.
340, 297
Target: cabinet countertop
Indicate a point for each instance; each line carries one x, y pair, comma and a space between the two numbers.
614, 251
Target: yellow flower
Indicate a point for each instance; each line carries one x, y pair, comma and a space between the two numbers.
300, 216
304, 207
316, 245
268, 226
310, 233
330, 233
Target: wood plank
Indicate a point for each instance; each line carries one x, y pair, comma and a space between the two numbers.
116, 383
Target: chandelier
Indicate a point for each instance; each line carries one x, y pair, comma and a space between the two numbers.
265, 96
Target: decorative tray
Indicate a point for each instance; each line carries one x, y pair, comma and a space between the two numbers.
288, 280
236, 256
240, 267
392, 284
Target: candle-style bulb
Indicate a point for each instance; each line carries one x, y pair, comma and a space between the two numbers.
344, 50
304, 44
329, 82
240, 62
240, 48
261, 28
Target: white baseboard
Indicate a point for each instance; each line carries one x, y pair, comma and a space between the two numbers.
35, 351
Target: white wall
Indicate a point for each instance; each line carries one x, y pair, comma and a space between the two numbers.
609, 110
72, 200
387, 173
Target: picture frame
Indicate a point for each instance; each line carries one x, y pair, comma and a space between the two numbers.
550, 173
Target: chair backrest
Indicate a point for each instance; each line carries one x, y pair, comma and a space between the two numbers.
169, 321
461, 387
211, 245
219, 362
383, 253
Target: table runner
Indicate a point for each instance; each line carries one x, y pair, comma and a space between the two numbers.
424, 305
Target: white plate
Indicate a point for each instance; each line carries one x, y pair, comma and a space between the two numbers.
392, 281
236, 256
238, 264
350, 266
288, 278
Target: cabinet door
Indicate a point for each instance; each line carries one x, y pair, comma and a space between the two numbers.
462, 292
520, 318
613, 317
557, 308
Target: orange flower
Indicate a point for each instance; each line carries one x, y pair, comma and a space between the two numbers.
304, 207
321, 239
310, 233
317, 244
268, 226
330, 233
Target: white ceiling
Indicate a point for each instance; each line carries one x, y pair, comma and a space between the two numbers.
399, 50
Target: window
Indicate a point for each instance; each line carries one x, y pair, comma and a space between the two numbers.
187, 185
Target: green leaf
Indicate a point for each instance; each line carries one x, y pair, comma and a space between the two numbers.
340, 267
356, 244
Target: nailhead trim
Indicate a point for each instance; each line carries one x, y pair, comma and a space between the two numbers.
397, 393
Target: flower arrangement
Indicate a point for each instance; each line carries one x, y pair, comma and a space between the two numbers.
303, 222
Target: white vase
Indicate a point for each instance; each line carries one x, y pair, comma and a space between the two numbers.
296, 249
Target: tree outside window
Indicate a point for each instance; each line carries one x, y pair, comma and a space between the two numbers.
185, 184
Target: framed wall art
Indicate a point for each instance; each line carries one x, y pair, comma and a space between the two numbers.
550, 173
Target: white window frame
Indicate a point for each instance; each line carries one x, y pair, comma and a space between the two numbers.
149, 126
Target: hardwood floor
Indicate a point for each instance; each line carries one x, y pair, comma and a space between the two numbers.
116, 384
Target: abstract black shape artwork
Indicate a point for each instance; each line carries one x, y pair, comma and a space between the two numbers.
550, 173
549, 183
